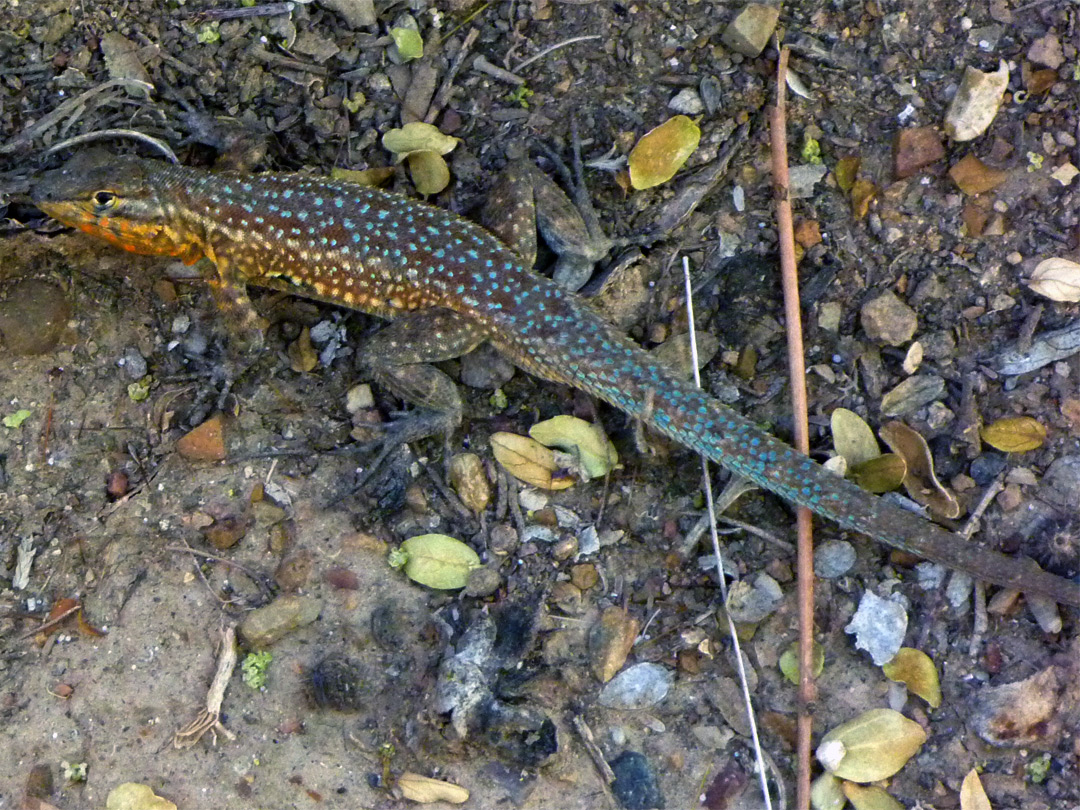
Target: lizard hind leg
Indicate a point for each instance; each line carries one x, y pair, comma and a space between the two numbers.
398, 358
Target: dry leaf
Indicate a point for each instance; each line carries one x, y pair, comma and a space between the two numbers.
847, 169
869, 797
417, 137
529, 461
1057, 279
972, 176
915, 669
852, 437
972, 795
873, 746
424, 789
204, 443
1015, 434
863, 193
302, 355
920, 482
663, 151
134, 796
470, 481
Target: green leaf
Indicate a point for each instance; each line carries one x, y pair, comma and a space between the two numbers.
417, 137
409, 42
429, 172
584, 440
14, 420
789, 661
439, 561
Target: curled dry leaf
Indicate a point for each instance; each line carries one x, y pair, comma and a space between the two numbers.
586, 441
1015, 434
529, 461
426, 790
364, 177
853, 438
1057, 279
417, 137
972, 795
863, 193
916, 670
847, 169
470, 482
869, 797
873, 746
920, 482
437, 561
662, 151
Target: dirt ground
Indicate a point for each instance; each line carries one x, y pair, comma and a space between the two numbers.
107, 359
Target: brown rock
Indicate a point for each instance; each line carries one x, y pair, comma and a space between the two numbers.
972, 176
887, 319
204, 443
610, 641
584, 576
751, 29
293, 572
1046, 50
915, 149
263, 627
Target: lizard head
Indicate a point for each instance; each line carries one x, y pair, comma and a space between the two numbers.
118, 198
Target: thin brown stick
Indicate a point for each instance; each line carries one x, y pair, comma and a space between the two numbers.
797, 373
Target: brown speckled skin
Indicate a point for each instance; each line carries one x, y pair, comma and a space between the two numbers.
449, 285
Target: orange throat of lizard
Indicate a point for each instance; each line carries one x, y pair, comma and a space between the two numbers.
151, 239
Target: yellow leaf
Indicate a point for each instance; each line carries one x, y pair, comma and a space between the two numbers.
417, 137
873, 746
915, 669
863, 193
870, 797
972, 795
972, 176
1015, 434
1057, 279
438, 561
134, 796
662, 152
882, 474
529, 461
826, 794
853, 438
428, 171
585, 440
424, 789
847, 169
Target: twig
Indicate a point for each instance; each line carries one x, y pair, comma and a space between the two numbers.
265, 10
209, 718
732, 631
105, 134
484, 66
69, 107
797, 375
442, 97
607, 776
554, 47
51, 623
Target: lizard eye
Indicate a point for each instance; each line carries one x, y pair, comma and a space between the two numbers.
104, 199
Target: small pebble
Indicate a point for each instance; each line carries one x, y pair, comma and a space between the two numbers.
833, 559
879, 626
636, 786
637, 687
687, 102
